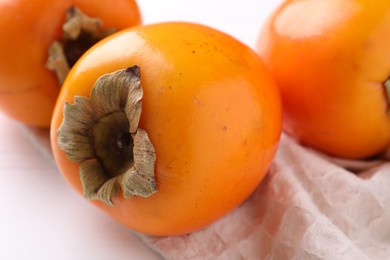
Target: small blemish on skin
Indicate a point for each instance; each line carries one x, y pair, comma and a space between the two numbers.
196, 101
187, 42
224, 128
12, 92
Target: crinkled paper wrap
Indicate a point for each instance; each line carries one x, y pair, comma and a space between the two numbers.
309, 206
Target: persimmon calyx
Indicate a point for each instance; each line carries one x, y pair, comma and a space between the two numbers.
101, 134
387, 92
79, 33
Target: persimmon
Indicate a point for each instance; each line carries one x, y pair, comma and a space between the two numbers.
167, 127
41, 39
330, 60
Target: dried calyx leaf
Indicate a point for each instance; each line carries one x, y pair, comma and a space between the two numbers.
80, 32
101, 133
387, 93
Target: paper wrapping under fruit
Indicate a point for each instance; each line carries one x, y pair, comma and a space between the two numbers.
309, 206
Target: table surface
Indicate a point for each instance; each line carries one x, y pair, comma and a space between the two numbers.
41, 217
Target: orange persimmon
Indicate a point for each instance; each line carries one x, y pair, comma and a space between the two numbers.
330, 60
211, 122
28, 89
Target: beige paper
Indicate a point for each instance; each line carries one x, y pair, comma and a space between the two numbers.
309, 206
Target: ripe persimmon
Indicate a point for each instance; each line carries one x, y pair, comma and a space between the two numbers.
330, 60
167, 127
31, 31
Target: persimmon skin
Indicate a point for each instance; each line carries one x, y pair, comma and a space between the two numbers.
28, 90
212, 113
330, 60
